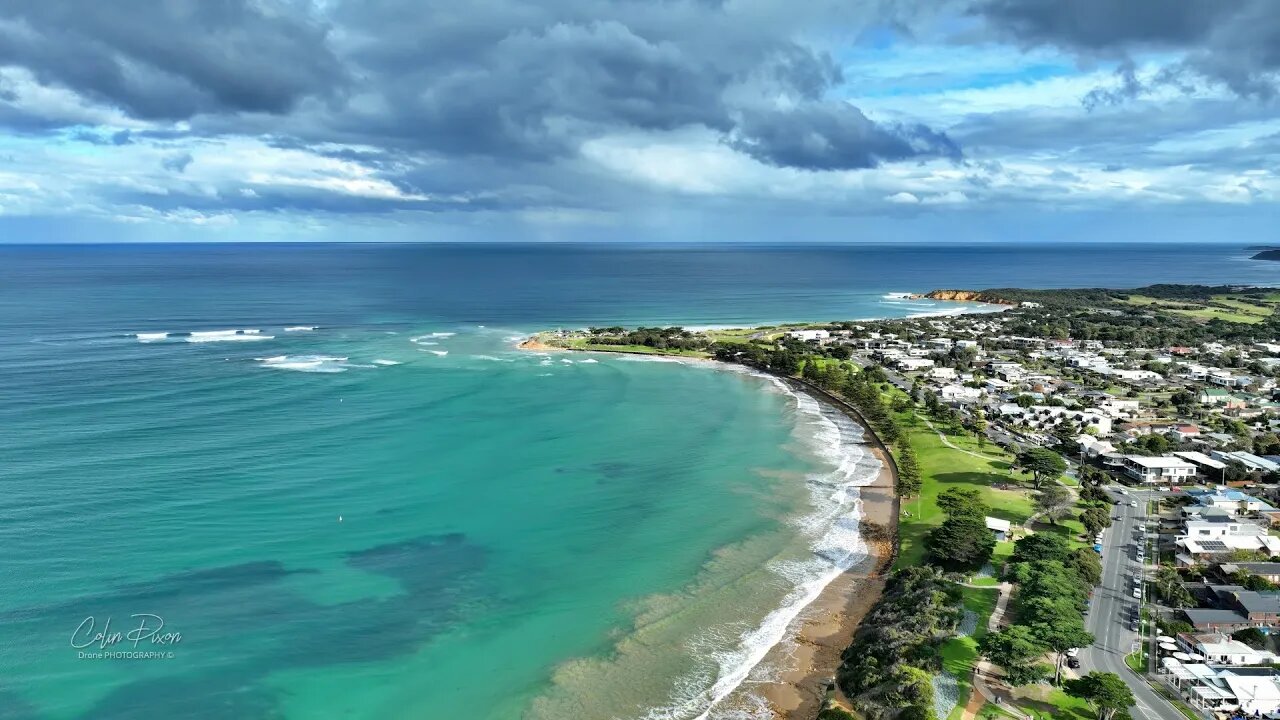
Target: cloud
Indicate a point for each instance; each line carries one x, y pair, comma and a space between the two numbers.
833, 136
1235, 42
177, 163
171, 60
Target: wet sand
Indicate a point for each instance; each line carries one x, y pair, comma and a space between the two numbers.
825, 628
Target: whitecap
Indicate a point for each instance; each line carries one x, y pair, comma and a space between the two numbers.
151, 336
387, 363
306, 363
588, 360
300, 328
227, 336
566, 361
439, 353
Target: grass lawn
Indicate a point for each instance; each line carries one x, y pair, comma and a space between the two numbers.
960, 653
1056, 705
1235, 310
942, 467
582, 344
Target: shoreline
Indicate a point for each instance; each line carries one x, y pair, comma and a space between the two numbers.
826, 627
807, 659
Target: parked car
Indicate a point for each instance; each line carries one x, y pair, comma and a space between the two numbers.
1072, 652
1137, 592
1073, 662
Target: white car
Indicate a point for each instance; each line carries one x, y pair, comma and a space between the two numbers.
1137, 592
1133, 503
1072, 652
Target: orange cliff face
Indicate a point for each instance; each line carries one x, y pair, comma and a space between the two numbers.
966, 296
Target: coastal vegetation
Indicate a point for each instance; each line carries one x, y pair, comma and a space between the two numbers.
887, 671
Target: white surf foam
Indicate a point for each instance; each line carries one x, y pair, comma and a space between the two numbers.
836, 544
588, 361
387, 363
227, 336
306, 363
300, 328
897, 295
492, 358
439, 353
151, 336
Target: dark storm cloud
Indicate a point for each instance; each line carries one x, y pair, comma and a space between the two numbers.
518, 80
169, 60
1236, 42
831, 136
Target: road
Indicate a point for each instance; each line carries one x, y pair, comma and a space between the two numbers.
1113, 603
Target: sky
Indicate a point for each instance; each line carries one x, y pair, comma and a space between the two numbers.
640, 120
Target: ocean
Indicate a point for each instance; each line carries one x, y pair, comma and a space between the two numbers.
327, 470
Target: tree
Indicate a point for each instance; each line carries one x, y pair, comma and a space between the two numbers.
1095, 519
1062, 633
961, 501
962, 542
1040, 546
1169, 584
1016, 649
1053, 501
1155, 444
980, 426
1042, 463
1253, 637
1086, 564
1106, 691
909, 481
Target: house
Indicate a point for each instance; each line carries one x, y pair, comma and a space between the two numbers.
1205, 465
1221, 649
959, 394
1166, 469
943, 373
1093, 447
1249, 460
1218, 690
910, 363
1184, 432
1043, 416
1232, 501
1269, 571
1209, 540
809, 335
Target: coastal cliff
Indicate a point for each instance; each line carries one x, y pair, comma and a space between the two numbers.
982, 296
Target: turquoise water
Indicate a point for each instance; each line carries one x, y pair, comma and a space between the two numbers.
375, 507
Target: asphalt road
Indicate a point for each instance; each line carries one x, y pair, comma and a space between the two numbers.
1113, 603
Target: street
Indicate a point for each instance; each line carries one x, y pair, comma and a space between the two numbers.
1113, 603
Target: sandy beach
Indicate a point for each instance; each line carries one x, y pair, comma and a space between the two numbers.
825, 628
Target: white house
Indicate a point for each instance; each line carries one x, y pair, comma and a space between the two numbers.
1221, 649
809, 335
1209, 468
1166, 469
959, 394
910, 363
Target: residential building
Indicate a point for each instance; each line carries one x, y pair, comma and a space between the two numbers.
1164, 469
